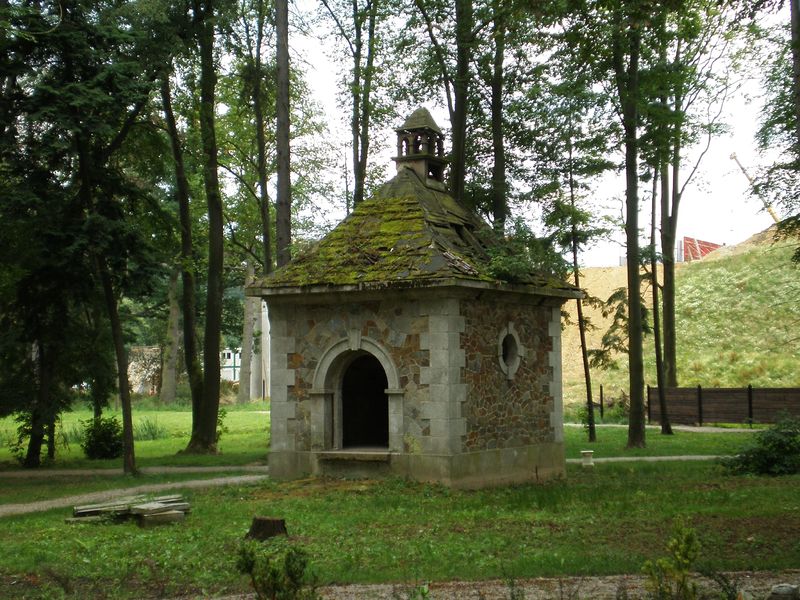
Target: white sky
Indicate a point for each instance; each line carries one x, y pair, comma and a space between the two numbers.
716, 206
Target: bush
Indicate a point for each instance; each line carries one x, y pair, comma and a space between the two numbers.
277, 571
773, 451
102, 438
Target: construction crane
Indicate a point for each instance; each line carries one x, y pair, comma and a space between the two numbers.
767, 205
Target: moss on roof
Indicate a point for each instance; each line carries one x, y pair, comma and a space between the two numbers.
420, 119
406, 234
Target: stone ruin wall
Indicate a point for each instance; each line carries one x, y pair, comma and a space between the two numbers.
502, 413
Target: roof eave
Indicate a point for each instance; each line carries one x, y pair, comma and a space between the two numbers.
268, 291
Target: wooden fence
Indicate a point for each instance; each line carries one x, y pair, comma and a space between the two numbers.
698, 405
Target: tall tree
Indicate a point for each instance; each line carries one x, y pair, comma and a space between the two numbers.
689, 80
204, 432
76, 98
284, 197
609, 37
187, 263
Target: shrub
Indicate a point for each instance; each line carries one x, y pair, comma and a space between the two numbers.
102, 438
773, 451
277, 571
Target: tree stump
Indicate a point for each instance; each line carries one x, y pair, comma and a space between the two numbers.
263, 528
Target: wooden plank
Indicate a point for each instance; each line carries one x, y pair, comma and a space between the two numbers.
89, 519
111, 504
150, 508
162, 518
123, 505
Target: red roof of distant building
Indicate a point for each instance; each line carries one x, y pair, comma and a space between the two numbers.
694, 249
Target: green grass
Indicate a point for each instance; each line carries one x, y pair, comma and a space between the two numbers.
245, 442
611, 442
737, 321
601, 521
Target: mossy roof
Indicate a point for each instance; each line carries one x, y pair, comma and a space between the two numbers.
408, 234
420, 119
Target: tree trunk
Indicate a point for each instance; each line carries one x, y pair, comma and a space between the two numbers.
243, 394
188, 300
128, 454
261, 145
587, 375
795, 16
355, 98
44, 367
464, 18
499, 187
169, 366
666, 429
204, 435
33, 456
284, 210
366, 106
628, 87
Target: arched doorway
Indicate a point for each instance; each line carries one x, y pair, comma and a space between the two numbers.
365, 407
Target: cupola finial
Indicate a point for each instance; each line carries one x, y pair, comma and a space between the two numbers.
420, 147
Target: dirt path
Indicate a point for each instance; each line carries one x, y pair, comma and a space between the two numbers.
756, 584
39, 473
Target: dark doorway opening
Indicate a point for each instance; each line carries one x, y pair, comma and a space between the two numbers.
365, 408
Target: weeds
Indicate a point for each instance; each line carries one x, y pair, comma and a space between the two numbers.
669, 578
149, 429
418, 592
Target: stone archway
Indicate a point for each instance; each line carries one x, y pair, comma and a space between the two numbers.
350, 374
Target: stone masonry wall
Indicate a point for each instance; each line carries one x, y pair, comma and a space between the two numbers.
503, 413
394, 324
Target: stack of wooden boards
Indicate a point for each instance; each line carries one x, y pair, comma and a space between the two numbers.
146, 511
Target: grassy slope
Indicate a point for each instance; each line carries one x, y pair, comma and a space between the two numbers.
737, 319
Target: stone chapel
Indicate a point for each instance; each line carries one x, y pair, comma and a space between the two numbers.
394, 350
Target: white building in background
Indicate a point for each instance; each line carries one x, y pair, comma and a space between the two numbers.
230, 364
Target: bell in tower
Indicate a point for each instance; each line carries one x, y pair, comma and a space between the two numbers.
420, 147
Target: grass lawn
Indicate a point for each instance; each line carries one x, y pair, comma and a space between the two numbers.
244, 442
611, 442
601, 521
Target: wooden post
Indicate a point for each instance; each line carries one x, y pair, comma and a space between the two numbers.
700, 405
601, 401
750, 405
